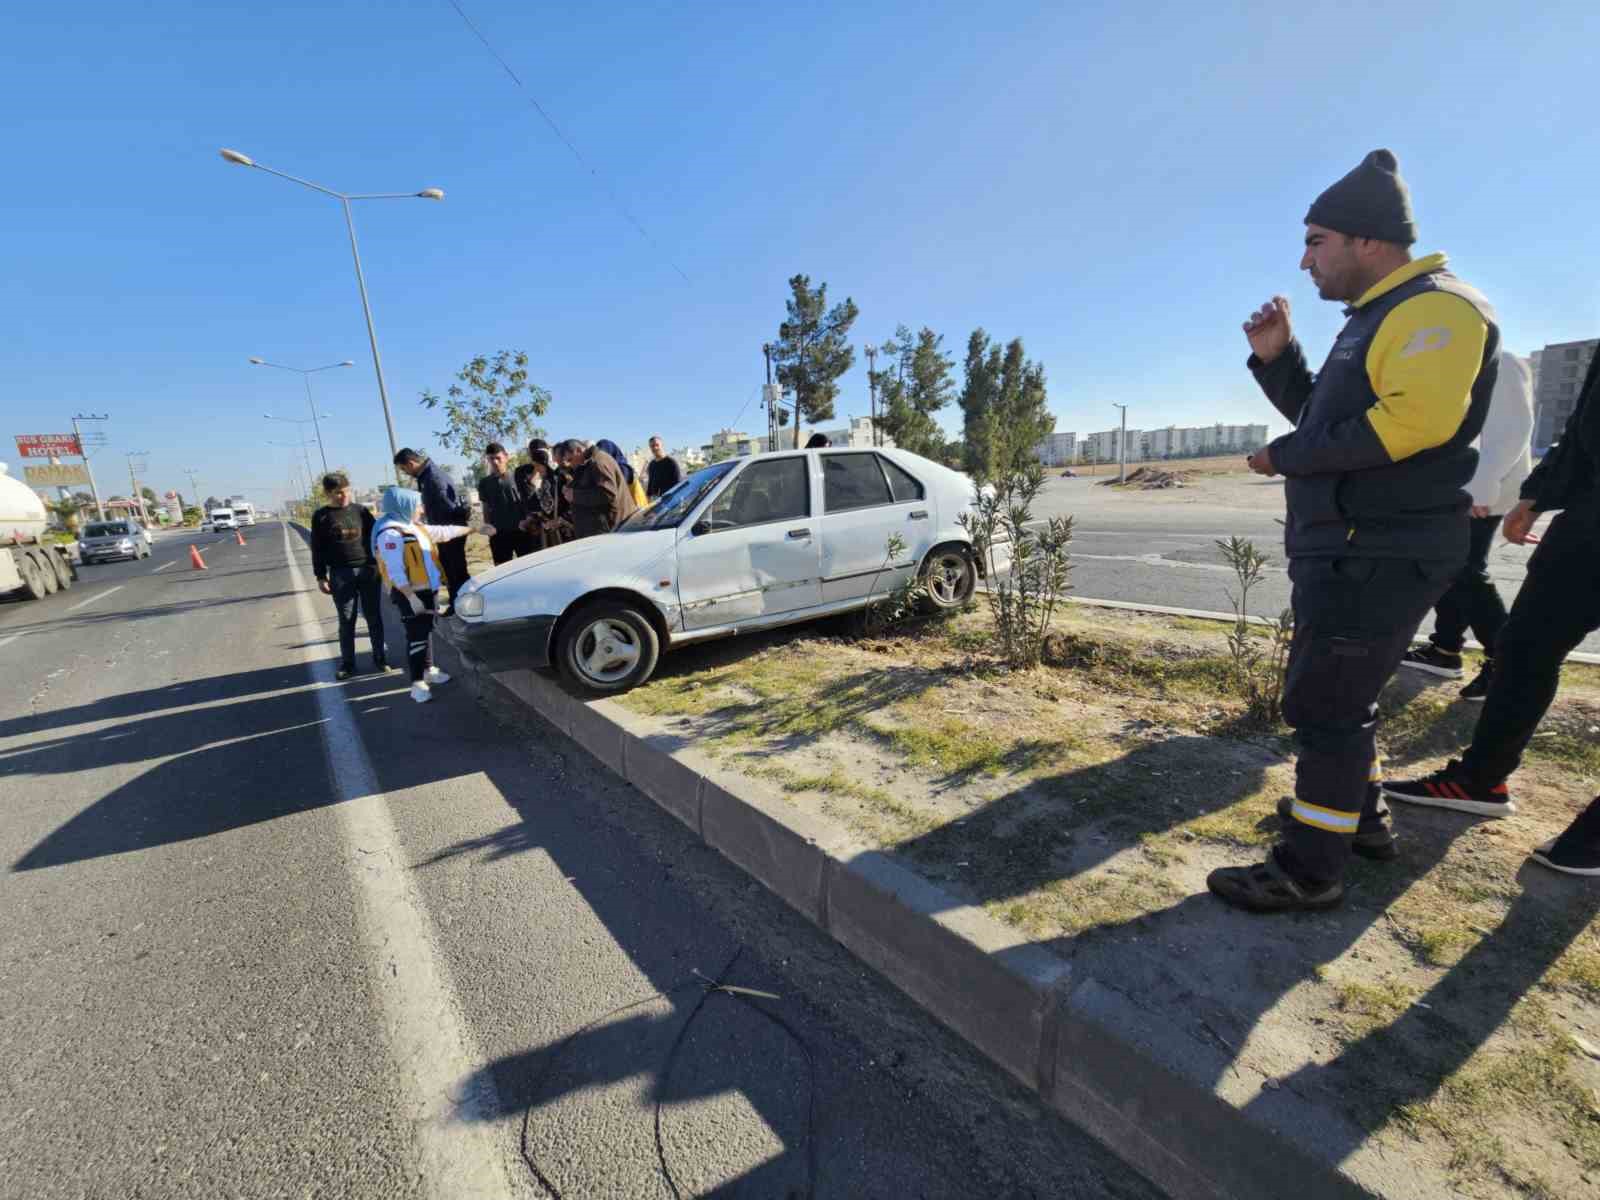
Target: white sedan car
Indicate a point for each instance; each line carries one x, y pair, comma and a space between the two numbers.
741, 545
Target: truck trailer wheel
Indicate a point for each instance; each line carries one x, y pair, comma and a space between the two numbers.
32, 577
52, 585
63, 570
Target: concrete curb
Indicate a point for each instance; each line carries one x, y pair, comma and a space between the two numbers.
1079, 1043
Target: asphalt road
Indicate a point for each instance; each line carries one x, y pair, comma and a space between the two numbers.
1160, 547
262, 934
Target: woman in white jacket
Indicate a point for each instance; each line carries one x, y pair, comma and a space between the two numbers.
1504, 461
408, 561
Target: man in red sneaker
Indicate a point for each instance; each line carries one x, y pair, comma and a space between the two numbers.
1375, 471
1558, 606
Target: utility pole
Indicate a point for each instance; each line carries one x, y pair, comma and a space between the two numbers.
83, 451
194, 488
1122, 445
872, 388
133, 482
772, 408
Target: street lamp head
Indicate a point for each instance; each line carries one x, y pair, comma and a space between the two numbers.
260, 362
431, 194
347, 363
233, 156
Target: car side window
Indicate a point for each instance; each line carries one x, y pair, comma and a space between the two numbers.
901, 483
852, 481
763, 492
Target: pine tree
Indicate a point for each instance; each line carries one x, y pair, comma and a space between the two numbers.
813, 350
1024, 417
979, 393
912, 389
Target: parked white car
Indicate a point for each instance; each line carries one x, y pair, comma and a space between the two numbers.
738, 546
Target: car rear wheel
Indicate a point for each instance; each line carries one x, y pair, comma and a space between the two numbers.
608, 647
950, 578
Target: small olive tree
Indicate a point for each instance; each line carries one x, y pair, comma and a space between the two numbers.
1024, 593
1259, 661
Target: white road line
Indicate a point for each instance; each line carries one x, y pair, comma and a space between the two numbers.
92, 599
165, 565
456, 1147
6, 640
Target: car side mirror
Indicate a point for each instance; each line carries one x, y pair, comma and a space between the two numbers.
701, 527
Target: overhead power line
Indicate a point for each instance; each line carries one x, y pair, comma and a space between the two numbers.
599, 181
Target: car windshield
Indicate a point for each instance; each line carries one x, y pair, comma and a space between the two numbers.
109, 529
673, 507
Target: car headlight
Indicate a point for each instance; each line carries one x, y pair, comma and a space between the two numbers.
470, 604
125, 544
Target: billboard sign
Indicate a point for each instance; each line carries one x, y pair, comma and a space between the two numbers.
57, 475
48, 445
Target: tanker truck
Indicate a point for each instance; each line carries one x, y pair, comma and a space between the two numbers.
28, 565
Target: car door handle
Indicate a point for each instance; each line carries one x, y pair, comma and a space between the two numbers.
799, 534
920, 515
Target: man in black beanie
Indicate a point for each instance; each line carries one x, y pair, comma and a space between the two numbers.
1375, 477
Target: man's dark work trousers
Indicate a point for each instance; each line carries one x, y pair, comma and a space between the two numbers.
1558, 606
1353, 621
503, 547
357, 587
453, 561
1472, 600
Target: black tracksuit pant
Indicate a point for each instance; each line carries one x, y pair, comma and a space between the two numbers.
357, 588
1558, 606
513, 543
418, 624
1354, 620
1472, 601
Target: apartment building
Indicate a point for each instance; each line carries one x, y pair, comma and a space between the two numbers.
1559, 375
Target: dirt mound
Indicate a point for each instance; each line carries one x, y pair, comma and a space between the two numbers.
1152, 478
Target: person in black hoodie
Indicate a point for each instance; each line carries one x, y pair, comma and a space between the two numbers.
1558, 606
502, 506
441, 505
341, 559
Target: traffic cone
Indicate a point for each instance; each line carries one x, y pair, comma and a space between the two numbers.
239, 533
195, 561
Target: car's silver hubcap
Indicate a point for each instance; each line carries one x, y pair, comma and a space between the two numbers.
947, 578
608, 651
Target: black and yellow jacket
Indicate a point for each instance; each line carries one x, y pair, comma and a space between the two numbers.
1378, 463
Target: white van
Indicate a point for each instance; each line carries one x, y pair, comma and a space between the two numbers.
223, 518
244, 514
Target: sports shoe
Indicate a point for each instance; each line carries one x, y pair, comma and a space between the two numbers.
1477, 691
421, 692
1452, 788
1577, 850
1267, 888
434, 676
344, 673
1378, 844
1428, 657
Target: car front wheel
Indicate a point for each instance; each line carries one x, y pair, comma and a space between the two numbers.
950, 577
608, 647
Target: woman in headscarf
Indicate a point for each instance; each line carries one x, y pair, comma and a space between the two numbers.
408, 561
635, 488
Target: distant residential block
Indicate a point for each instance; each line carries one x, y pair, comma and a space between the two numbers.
1557, 378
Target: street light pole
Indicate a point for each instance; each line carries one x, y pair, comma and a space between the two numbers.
305, 374
133, 482
1122, 444
344, 199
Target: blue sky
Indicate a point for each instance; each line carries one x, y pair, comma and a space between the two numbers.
1118, 185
